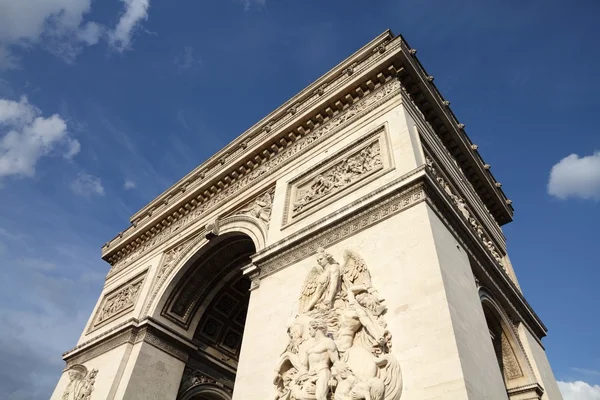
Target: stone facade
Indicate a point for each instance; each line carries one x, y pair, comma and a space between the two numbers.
347, 246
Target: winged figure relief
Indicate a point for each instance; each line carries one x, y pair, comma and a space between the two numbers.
81, 383
339, 344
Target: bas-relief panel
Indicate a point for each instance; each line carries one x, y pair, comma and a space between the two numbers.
118, 301
339, 344
352, 167
81, 383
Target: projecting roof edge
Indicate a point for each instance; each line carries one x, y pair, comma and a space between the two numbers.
254, 139
276, 114
473, 163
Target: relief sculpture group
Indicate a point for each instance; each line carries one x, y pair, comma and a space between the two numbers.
339, 345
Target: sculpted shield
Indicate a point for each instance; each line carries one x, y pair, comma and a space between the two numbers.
339, 345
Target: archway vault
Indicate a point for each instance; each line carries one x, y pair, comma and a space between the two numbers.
514, 364
203, 279
181, 257
206, 298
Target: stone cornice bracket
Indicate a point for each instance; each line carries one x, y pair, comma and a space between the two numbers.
253, 273
212, 229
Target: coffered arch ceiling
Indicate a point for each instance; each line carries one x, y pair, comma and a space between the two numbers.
213, 282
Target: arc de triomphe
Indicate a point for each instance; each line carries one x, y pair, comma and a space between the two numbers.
347, 246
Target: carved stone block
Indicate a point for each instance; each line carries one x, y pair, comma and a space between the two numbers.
119, 301
352, 167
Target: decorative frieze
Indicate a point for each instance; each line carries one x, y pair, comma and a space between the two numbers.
345, 228
464, 211
148, 336
352, 165
119, 301
258, 171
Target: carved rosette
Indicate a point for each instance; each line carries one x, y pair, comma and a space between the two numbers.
339, 344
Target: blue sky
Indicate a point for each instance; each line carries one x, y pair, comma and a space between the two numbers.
106, 104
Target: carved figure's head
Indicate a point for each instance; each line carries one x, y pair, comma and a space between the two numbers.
324, 258
317, 325
77, 372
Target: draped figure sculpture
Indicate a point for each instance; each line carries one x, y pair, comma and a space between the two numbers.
339, 345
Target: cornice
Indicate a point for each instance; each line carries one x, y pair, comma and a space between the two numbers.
132, 331
369, 92
419, 84
331, 96
253, 145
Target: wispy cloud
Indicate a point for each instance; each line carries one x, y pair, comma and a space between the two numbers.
579, 390
586, 371
87, 185
47, 290
129, 184
136, 11
577, 177
26, 137
186, 60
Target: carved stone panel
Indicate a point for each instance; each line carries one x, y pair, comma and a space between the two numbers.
81, 383
119, 301
339, 344
259, 207
353, 166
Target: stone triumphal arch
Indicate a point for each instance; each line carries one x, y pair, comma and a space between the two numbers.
347, 246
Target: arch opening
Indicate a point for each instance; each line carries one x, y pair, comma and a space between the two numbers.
515, 369
210, 301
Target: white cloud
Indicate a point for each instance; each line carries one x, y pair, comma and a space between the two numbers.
575, 176
129, 185
7, 59
87, 185
586, 371
26, 136
58, 22
579, 390
60, 26
91, 33
73, 149
135, 12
